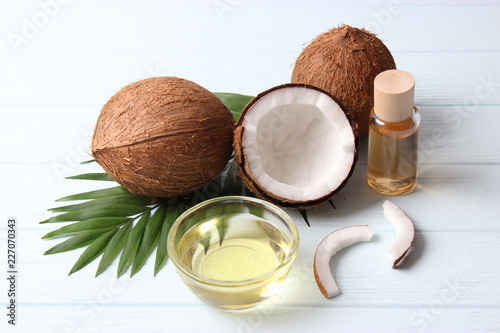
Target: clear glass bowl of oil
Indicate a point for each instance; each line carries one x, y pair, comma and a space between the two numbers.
234, 251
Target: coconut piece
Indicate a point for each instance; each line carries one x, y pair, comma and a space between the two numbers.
345, 61
405, 232
295, 145
163, 136
328, 247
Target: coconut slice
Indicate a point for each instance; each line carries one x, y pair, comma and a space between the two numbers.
295, 145
405, 232
328, 247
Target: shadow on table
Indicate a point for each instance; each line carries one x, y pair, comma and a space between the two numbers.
415, 252
356, 196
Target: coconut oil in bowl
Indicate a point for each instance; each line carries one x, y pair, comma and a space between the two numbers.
233, 252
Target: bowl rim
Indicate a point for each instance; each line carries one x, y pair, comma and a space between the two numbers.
181, 268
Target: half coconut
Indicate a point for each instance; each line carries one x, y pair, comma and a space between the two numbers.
295, 145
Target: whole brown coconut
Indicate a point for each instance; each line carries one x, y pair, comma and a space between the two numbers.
163, 136
344, 61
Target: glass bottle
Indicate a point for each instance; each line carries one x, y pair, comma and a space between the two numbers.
393, 134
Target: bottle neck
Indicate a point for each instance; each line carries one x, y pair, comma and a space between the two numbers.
399, 128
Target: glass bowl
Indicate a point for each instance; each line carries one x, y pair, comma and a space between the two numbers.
234, 251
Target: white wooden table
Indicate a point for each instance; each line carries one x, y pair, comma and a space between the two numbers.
61, 60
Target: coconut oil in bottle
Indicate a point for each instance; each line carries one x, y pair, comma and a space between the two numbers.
393, 134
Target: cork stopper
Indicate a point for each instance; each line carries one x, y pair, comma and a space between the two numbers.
394, 95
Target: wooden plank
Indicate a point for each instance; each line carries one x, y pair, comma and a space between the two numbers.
447, 197
399, 23
97, 317
445, 85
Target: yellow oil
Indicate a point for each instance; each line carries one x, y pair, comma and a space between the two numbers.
392, 156
234, 249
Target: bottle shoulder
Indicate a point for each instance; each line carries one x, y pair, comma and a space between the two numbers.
403, 128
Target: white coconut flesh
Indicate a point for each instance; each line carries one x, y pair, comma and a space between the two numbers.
405, 232
299, 143
328, 247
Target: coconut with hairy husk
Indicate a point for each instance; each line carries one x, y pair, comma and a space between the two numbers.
163, 136
345, 61
295, 145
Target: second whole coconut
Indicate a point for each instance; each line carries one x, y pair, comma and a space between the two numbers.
344, 62
163, 136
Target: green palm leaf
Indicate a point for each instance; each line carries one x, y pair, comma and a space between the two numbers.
303, 212
93, 251
106, 211
81, 239
97, 194
161, 252
148, 239
120, 199
132, 244
232, 183
234, 102
90, 224
93, 176
332, 204
113, 248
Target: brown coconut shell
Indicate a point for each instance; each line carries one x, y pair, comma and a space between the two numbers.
163, 136
244, 169
345, 61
